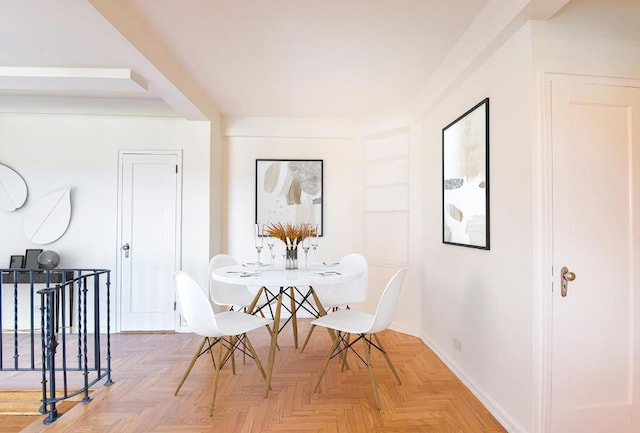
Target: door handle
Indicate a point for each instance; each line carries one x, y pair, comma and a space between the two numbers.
126, 248
565, 277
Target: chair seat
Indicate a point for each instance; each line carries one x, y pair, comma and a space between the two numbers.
352, 321
234, 322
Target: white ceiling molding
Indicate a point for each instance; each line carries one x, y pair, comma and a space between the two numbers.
77, 81
240, 126
61, 104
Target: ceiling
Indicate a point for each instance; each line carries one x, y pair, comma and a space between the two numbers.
266, 58
312, 58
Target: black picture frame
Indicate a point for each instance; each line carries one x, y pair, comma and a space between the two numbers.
465, 179
16, 262
31, 258
290, 191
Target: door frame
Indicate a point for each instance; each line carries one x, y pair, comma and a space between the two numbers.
178, 234
543, 236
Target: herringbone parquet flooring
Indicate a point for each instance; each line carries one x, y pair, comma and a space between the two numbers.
147, 368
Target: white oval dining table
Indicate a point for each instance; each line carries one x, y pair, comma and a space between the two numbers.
274, 282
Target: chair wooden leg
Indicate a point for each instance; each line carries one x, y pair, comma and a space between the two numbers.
252, 307
386, 356
268, 328
343, 355
255, 356
323, 312
191, 364
232, 341
272, 347
255, 300
294, 316
244, 352
306, 340
216, 377
336, 341
367, 349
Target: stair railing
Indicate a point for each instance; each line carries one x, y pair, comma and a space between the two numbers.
63, 337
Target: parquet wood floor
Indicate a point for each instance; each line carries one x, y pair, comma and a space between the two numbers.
147, 368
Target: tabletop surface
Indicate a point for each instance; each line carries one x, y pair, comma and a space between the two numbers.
315, 275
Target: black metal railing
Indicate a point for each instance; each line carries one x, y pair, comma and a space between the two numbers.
75, 336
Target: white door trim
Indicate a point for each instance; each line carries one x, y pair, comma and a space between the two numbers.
178, 240
543, 223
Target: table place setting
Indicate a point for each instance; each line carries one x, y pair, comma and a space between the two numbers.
244, 273
256, 266
326, 273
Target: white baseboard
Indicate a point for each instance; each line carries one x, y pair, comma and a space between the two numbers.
494, 409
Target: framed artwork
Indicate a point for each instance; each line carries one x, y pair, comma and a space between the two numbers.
289, 191
31, 258
16, 262
465, 179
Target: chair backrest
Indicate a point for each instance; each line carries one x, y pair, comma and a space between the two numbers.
220, 292
388, 302
195, 306
355, 292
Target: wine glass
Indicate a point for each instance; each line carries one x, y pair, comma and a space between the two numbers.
315, 239
259, 240
271, 241
283, 253
306, 244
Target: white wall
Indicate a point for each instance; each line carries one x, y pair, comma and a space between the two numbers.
493, 302
342, 161
54, 151
580, 52
484, 299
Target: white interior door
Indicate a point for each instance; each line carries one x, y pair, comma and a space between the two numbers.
148, 240
596, 235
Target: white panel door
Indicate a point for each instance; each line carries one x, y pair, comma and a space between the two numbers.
148, 240
596, 236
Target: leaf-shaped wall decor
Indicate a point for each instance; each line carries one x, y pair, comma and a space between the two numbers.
49, 217
13, 189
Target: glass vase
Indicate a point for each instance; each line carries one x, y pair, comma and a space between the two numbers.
291, 261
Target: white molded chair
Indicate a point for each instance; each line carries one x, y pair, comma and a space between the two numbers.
344, 294
365, 326
229, 295
233, 295
227, 329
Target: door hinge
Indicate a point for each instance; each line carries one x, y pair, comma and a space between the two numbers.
176, 168
174, 306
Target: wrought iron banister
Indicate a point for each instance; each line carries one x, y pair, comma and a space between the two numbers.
64, 293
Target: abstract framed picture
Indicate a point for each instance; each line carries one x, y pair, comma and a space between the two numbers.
289, 191
17, 262
465, 179
31, 258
